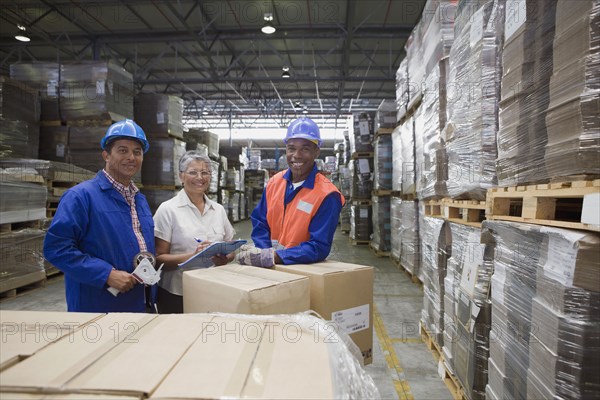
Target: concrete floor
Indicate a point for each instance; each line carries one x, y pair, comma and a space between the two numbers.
402, 366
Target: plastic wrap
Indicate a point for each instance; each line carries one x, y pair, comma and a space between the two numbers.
233, 180
330, 164
429, 42
473, 92
527, 67
54, 143
395, 223
435, 246
430, 150
362, 178
345, 219
345, 179
84, 147
18, 138
410, 253
195, 137
161, 162
27, 201
402, 88
397, 163
161, 115
361, 225
573, 129
361, 136
382, 178
471, 263
21, 255
92, 90
43, 78
407, 145
385, 117
156, 197
546, 297
233, 208
381, 239
18, 101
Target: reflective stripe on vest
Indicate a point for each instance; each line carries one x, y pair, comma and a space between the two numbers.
289, 226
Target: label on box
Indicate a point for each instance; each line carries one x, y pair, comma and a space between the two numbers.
472, 260
590, 213
476, 33
353, 319
60, 150
363, 128
363, 213
363, 166
160, 118
100, 87
441, 369
51, 88
562, 255
166, 166
516, 14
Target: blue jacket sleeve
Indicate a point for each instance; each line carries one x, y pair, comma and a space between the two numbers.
261, 233
61, 244
321, 229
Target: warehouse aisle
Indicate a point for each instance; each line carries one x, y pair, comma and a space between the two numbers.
402, 366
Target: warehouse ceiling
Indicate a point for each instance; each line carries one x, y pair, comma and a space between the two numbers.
342, 55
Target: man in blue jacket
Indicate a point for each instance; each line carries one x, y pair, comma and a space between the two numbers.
101, 226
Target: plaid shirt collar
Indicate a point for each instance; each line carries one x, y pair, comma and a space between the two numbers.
128, 192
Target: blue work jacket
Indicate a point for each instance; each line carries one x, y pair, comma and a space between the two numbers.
91, 234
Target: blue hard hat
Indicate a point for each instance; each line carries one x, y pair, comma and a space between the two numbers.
125, 129
304, 128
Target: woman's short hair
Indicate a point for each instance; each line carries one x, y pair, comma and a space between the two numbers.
193, 155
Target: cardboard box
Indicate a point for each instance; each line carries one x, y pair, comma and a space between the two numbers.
241, 289
252, 358
24, 333
119, 353
343, 293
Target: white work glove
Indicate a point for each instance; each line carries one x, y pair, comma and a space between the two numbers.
251, 255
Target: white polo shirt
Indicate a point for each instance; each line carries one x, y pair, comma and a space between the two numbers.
178, 221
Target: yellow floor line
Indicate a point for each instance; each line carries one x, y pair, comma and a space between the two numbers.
406, 340
401, 385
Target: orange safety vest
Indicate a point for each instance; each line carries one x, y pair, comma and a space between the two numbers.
289, 226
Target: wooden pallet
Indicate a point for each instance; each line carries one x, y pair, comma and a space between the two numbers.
165, 187
50, 123
378, 252
10, 287
17, 226
384, 131
355, 242
413, 277
380, 192
28, 178
411, 108
465, 212
361, 202
552, 204
451, 381
90, 122
362, 154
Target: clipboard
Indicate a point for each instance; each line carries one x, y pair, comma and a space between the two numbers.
203, 258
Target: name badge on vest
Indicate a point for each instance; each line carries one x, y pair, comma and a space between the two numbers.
304, 206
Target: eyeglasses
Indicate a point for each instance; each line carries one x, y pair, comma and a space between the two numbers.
195, 174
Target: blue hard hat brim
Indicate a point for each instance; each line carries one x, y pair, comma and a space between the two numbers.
304, 136
106, 141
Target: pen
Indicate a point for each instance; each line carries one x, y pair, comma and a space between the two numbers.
198, 240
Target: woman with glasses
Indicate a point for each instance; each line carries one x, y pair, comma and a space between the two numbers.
185, 225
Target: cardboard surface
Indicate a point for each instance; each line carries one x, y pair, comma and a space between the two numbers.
246, 357
338, 289
241, 289
26, 332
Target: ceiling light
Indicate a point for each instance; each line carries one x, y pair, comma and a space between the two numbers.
268, 27
21, 34
286, 72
